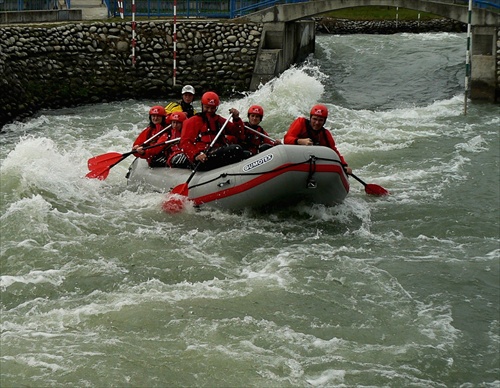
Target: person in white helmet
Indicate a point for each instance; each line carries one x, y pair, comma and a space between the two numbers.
185, 105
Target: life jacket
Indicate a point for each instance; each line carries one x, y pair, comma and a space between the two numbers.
165, 154
252, 141
180, 106
318, 137
207, 134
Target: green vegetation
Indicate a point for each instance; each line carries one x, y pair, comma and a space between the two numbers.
379, 13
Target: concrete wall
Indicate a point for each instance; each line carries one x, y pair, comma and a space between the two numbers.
41, 16
297, 11
485, 64
283, 44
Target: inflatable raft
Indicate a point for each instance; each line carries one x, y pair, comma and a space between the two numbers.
283, 175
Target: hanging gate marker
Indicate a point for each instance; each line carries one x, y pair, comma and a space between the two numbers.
120, 8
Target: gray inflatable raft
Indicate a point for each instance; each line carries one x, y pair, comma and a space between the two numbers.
282, 175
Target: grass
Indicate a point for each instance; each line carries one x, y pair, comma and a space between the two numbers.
379, 13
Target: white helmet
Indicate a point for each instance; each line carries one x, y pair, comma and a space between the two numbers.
188, 89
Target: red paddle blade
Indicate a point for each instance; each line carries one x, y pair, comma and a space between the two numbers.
373, 189
181, 189
99, 173
176, 199
104, 160
174, 204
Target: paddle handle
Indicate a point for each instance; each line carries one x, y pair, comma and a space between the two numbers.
147, 141
151, 146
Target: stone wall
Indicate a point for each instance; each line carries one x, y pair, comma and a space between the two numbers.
347, 27
71, 64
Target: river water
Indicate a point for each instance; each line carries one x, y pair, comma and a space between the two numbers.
102, 289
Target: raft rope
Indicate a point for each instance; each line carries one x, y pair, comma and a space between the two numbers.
311, 182
312, 169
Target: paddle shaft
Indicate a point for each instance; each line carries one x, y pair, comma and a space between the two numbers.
358, 179
258, 133
156, 135
371, 188
101, 172
126, 154
159, 144
207, 150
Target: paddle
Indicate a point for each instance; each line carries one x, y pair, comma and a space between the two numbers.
174, 202
370, 188
108, 158
261, 134
111, 159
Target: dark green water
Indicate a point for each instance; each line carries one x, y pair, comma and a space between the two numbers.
101, 289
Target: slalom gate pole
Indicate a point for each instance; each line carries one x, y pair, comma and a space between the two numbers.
467, 57
134, 26
174, 73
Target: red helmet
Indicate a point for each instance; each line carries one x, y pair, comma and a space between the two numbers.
157, 110
177, 116
210, 99
319, 110
256, 110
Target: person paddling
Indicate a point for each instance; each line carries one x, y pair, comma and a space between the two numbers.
252, 141
311, 131
200, 130
174, 154
157, 122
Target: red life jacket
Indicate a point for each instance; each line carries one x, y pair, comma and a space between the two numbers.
252, 141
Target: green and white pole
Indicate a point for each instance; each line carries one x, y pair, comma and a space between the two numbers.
467, 57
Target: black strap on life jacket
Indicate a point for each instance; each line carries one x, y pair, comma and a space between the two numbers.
317, 134
187, 108
209, 130
252, 138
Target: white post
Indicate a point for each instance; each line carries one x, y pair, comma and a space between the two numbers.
175, 44
467, 57
134, 24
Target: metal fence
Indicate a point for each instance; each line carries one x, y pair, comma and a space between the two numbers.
158, 8
185, 8
196, 8
28, 5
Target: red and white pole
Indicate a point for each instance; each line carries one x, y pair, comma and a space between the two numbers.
175, 43
134, 25
120, 8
